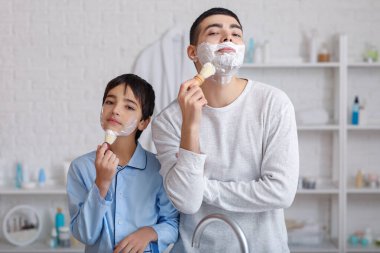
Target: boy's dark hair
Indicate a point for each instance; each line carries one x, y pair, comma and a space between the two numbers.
142, 90
194, 30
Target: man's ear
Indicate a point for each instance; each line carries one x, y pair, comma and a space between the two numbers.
143, 124
192, 53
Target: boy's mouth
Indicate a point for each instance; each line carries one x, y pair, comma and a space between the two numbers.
114, 121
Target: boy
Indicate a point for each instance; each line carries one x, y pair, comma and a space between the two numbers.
229, 146
117, 202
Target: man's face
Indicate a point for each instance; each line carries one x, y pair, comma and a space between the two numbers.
217, 29
120, 109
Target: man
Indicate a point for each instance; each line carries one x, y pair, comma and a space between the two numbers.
229, 146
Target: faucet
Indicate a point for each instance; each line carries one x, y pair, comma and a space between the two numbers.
215, 217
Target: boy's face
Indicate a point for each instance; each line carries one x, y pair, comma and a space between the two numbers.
217, 29
121, 109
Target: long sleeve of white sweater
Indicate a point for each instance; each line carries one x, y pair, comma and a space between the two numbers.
252, 154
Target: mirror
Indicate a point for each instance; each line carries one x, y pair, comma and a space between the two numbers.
22, 225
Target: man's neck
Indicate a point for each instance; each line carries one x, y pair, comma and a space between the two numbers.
124, 148
218, 95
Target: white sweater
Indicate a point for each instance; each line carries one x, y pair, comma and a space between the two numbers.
247, 169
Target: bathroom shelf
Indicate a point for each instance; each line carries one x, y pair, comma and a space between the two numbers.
317, 191
325, 247
292, 65
318, 128
364, 64
358, 249
38, 247
48, 190
363, 191
363, 127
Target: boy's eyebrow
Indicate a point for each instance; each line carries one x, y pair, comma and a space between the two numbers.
131, 101
125, 99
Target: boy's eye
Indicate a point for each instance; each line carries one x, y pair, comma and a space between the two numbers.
212, 33
130, 107
108, 102
236, 35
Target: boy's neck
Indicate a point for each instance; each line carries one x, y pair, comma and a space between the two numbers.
124, 148
218, 95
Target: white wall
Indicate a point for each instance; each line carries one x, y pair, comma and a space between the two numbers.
56, 57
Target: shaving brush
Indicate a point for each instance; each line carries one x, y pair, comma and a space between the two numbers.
207, 70
109, 138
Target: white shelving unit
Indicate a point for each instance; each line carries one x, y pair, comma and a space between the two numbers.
337, 204
41, 199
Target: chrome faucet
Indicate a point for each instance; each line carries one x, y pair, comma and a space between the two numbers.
219, 217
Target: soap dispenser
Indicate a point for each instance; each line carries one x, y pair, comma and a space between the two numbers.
355, 111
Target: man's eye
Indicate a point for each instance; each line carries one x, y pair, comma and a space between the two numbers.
213, 33
236, 35
108, 102
130, 108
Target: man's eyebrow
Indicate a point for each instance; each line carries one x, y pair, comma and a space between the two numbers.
236, 26
221, 26
213, 25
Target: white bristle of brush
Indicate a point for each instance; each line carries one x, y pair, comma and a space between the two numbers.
110, 136
207, 70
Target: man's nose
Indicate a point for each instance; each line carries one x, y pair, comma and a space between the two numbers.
227, 38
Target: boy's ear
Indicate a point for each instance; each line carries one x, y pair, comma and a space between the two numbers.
143, 124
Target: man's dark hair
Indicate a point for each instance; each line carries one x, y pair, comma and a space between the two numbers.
194, 30
142, 90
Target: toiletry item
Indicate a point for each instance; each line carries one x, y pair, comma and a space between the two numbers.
207, 70
53, 241
313, 43
64, 237
323, 54
266, 51
41, 177
370, 54
19, 175
359, 181
250, 51
368, 236
355, 111
59, 220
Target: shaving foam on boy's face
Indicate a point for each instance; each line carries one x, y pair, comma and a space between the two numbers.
227, 58
126, 128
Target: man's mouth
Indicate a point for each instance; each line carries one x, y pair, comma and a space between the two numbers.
226, 50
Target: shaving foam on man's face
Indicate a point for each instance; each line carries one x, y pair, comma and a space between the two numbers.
227, 58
